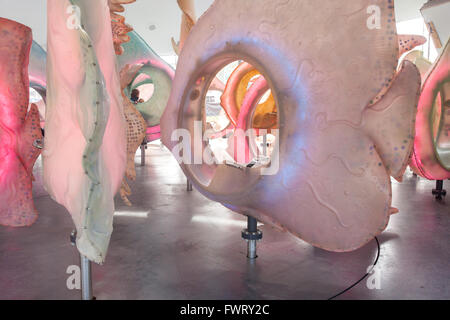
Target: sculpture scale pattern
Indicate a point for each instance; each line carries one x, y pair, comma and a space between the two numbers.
136, 130
85, 147
337, 146
19, 127
265, 115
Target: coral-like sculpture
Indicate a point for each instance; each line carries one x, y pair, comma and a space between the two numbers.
19, 127
118, 25
431, 157
136, 125
188, 20
345, 125
136, 129
85, 147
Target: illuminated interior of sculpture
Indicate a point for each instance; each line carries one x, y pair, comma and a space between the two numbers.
150, 135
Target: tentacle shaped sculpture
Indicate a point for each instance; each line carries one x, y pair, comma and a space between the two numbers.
84, 156
19, 127
431, 157
160, 74
265, 115
336, 148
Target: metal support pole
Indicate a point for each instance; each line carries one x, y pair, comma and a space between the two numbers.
188, 185
86, 278
265, 145
86, 272
251, 235
439, 192
143, 146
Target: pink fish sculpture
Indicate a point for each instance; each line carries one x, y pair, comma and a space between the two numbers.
20, 133
345, 115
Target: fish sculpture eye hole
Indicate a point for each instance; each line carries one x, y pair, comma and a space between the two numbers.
224, 116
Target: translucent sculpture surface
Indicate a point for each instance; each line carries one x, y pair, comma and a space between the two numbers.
345, 125
85, 147
431, 157
19, 127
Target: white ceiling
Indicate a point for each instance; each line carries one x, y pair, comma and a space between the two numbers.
163, 14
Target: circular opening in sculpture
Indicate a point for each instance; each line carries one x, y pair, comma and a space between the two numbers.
142, 89
248, 147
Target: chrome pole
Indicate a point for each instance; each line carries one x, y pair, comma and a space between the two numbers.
142, 154
188, 185
86, 278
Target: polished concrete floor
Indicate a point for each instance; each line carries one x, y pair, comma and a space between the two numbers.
174, 244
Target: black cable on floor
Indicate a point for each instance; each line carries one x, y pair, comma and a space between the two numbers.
374, 264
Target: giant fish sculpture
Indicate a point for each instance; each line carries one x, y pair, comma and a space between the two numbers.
346, 125
84, 156
19, 127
